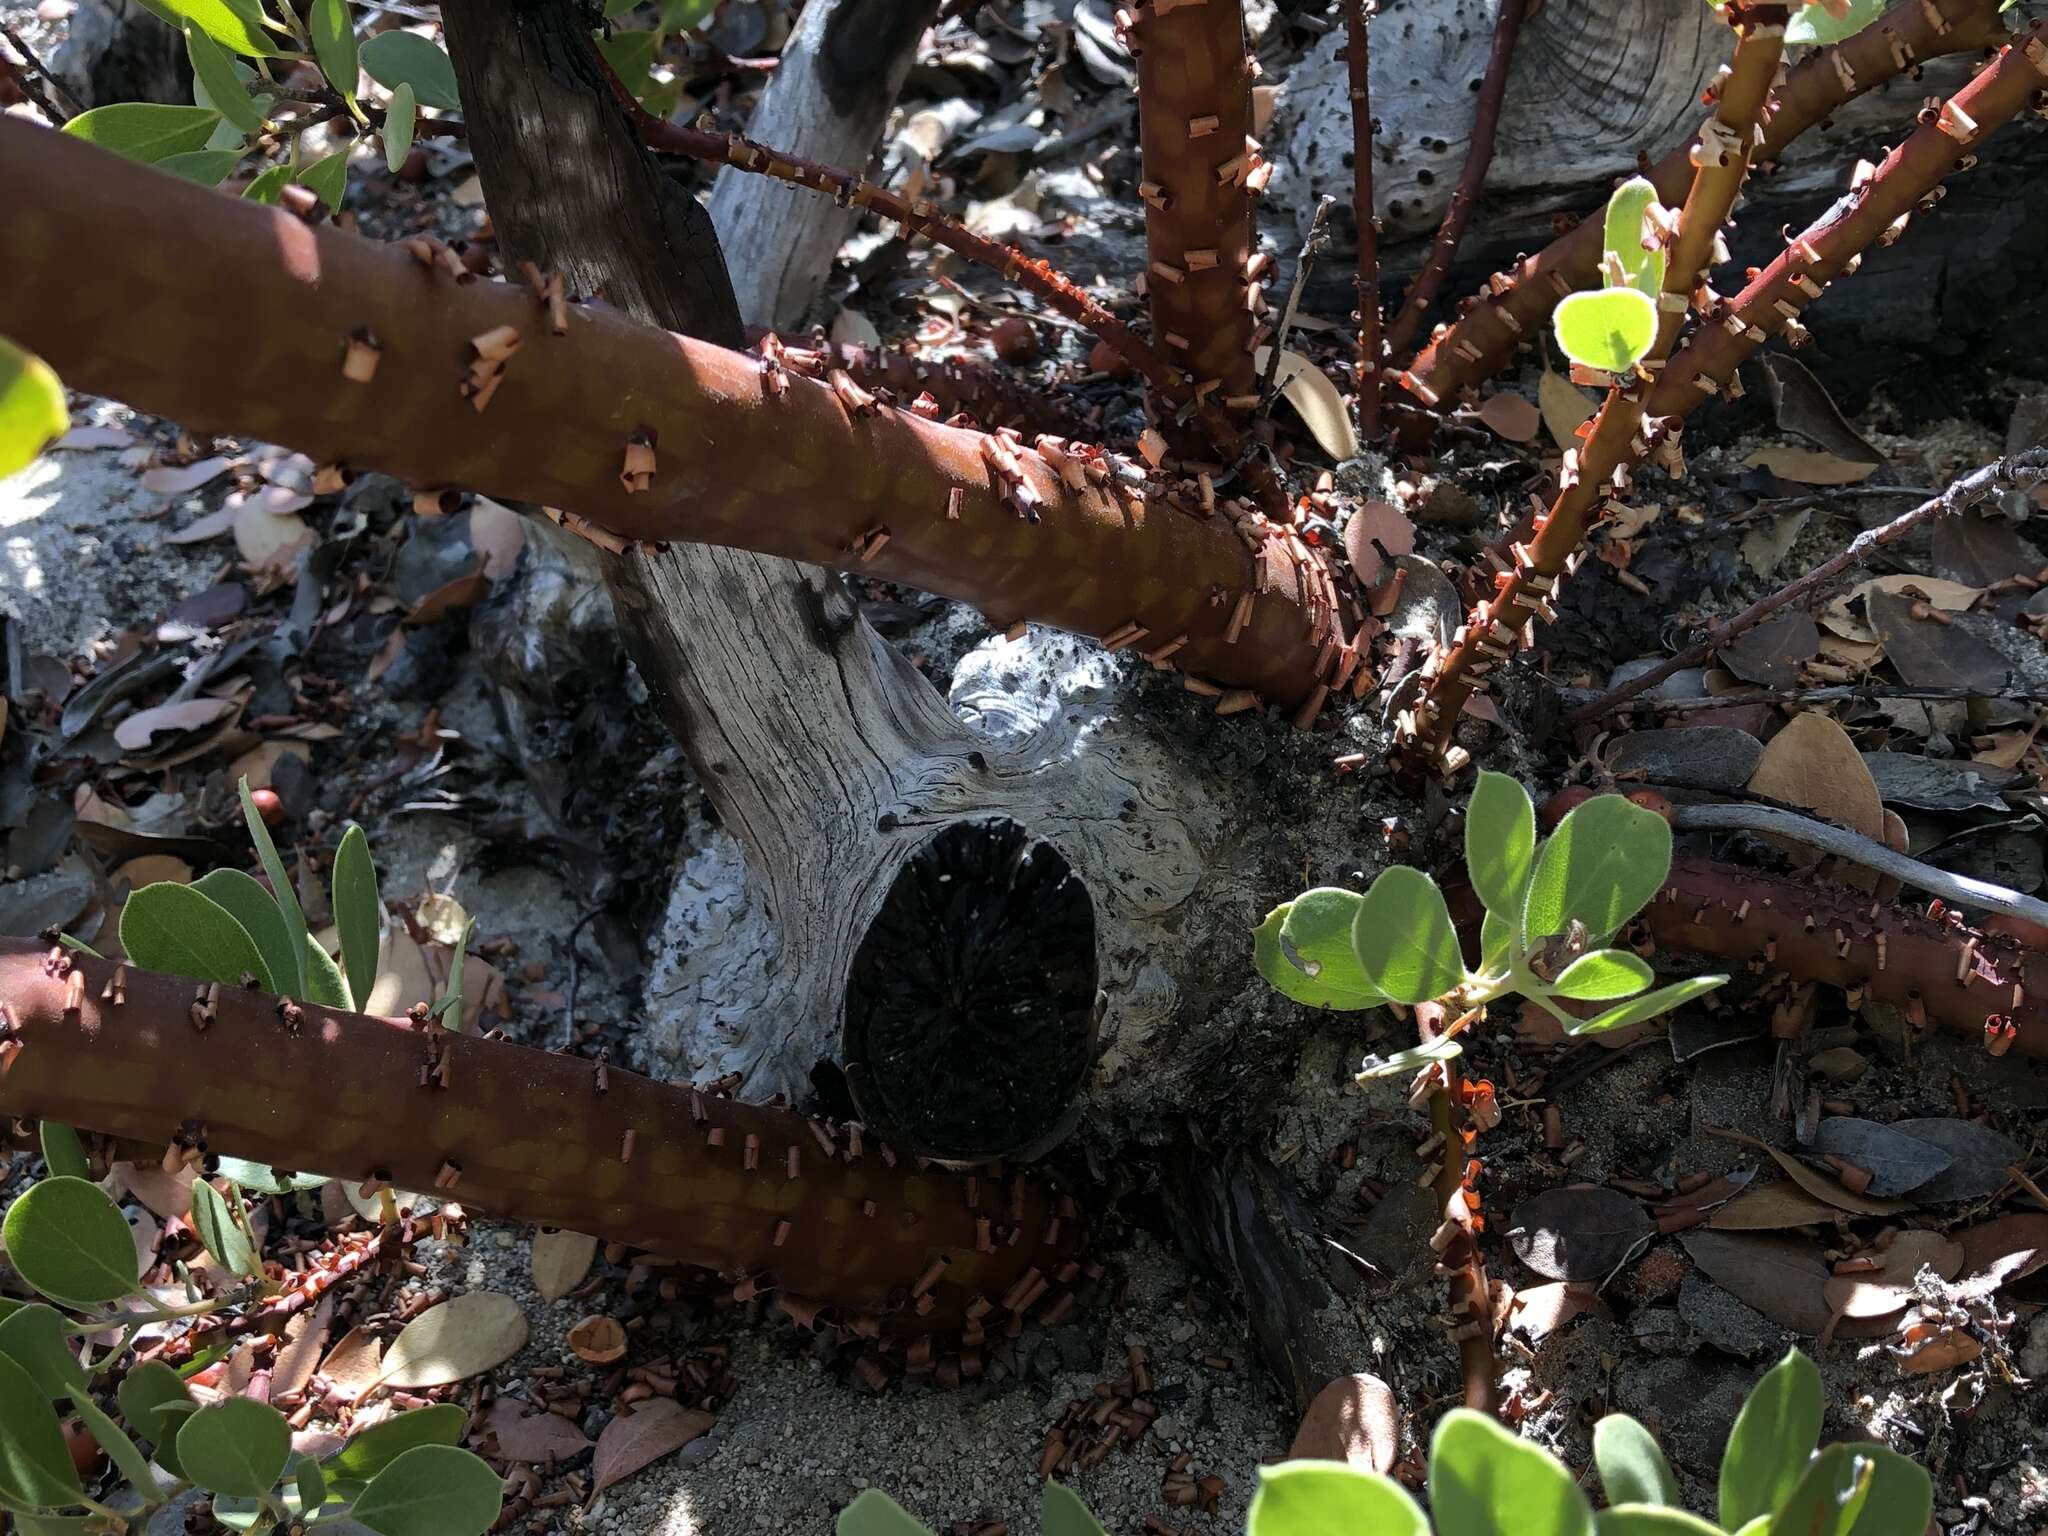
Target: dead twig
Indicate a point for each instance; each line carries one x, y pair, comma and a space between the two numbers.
2022, 470
1357, 60
1312, 246
33, 74
1844, 844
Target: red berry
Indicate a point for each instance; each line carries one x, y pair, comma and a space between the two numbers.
1564, 801
1103, 358
1015, 341
1650, 800
268, 806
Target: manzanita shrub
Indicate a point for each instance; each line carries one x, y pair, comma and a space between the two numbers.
68, 1241
1484, 1480
1552, 905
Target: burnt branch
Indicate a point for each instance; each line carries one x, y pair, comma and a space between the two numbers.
1358, 16
642, 435
769, 1199
1638, 418
1515, 305
1436, 268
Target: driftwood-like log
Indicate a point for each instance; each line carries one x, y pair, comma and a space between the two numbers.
769, 1199
740, 456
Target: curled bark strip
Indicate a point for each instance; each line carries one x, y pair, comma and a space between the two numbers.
748, 1191
1935, 969
1493, 91
1200, 165
2023, 470
744, 455
1635, 416
958, 385
1358, 16
1516, 305
1860, 850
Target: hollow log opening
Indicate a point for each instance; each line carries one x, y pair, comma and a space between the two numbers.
970, 1009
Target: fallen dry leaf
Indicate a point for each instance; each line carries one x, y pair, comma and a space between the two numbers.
268, 539
1578, 1232
1377, 526
212, 526
463, 1337
650, 1432
305, 1336
1352, 1420
1564, 406
560, 1261
177, 479
1316, 400
1781, 1277
1772, 1207
1818, 1184
497, 534
1883, 1291
1841, 614
354, 1364
1771, 654
851, 328
598, 1340
1931, 654
164, 1194
2005, 1250
152, 869
134, 733
1539, 1311
1898, 1163
1812, 764
525, 1435
92, 437
1808, 466
1512, 416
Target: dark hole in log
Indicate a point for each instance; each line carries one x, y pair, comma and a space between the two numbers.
970, 1011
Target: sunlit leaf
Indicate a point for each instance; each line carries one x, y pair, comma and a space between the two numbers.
1304, 949
1500, 842
1628, 230
32, 409
399, 120
1485, 1480
1774, 1435
145, 131
213, 1218
281, 889
1601, 974
1404, 938
431, 1490
334, 45
1606, 328
1410, 1061
234, 24
1648, 1006
1601, 866
1632, 1469
1061, 1512
367, 1454
328, 177
1818, 23
255, 909
238, 1447
63, 1152
214, 71
874, 1513
1326, 1498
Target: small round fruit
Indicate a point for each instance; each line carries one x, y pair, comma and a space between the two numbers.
1103, 358
1559, 805
1014, 339
268, 805
1650, 800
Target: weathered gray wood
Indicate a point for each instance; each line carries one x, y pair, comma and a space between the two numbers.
826, 101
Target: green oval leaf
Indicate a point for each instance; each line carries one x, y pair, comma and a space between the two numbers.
1653, 1520
1632, 1469
1304, 949
358, 913
63, 1152
69, 1241
874, 1513
1404, 938
1631, 239
266, 1180
1829, 1496
35, 1466
1772, 1441
328, 177
324, 982
334, 45
312, 1485
377, 1447
145, 131
1648, 1006
268, 185
1323, 1498
203, 167
1606, 328
282, 891
146, 1396
1601, 866
235, 24
32, 409
237, 1447
253, 907
215, 73
1603, 973
1496, 943
177, 928
393, 59
33, 1337
1484, 1480
1500, 842
1901, 1500
1815, 23
399, 119
1061, 1512
213, 1218
431, 1490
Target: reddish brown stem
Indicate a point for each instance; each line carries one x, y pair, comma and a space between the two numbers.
1516, 305
992, 396
767, 1198
1493, 91
1200, 168
742, 453
1636, 417
1358, 15
1935, 969
2022, 470
1455, 1241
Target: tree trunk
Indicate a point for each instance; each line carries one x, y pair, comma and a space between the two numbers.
827, 101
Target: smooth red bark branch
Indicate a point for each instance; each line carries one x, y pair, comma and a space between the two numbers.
1200, 166
1493, 91
234, 317
1516, 305
1358, 16
767, 1198
1455, 1240
1636, 417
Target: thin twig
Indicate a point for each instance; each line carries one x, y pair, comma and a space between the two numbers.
1311, 247
1856, 848
2020, 469
1835, 693
33, 74
1358, 61
1465, 196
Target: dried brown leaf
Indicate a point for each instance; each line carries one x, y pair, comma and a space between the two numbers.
525, 1435
1771, 1207
560, 1261
1564, 406
652, 1431
1883, 1291
1578, 1232
1807, 466
134, 733
1512, 417
1814, 765
463, 1337
1781, 1277
177, 479
1818, 1184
